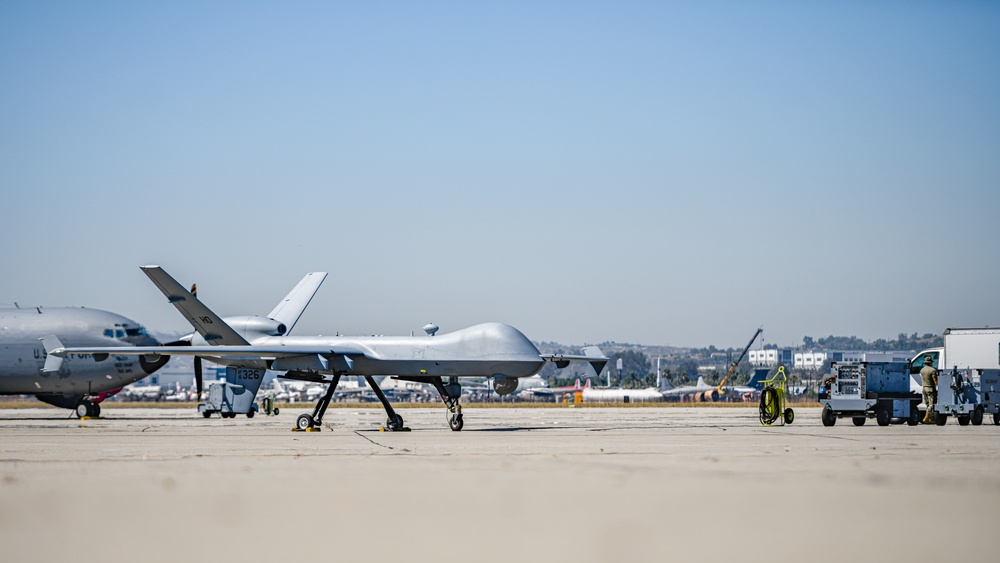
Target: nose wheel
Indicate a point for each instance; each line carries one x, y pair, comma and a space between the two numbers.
450, 393
304, 422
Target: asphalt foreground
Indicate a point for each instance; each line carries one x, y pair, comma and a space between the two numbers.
550, 484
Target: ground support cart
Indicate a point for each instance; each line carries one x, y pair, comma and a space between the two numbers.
863, 390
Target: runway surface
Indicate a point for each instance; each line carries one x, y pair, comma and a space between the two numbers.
523, 484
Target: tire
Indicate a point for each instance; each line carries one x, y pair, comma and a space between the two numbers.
964, 420
304, 422
97, 409
859, 420
883, 416
83, 410
977, 416
828, 418
206, 414
456, 423
996, 418
789, 416
250, 413
940, 419
275, 411
914, 416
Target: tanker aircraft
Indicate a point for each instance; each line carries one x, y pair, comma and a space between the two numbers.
79, 383
254, 343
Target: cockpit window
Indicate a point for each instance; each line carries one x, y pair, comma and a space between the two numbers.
135, 331
109, 333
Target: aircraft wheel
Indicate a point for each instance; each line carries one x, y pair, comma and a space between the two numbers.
304, 422
83, 409
394, 423
963, 420
996, 418
859, 420
977, 416
206, 414
250, 413
940, 419
829, 419
789, 416
97, 409
455, 422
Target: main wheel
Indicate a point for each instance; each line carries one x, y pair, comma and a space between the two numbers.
304, 422
97, 409
394, 423
827, 416
83, 409
964, 420
859, 420
977, 416
940, 419
206, 414
883, 416
250, 413
455, 422
789, 416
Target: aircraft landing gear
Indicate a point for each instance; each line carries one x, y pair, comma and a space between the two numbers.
450, 394
314, 422
88, 409
395, 422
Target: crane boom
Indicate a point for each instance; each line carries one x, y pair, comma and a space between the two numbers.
732, 369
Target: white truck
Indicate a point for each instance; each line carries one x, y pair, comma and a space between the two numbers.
968, 374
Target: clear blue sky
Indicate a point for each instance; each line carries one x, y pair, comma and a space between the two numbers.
651, 172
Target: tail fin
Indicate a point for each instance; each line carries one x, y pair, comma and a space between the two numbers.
701, 382
587, 386
209, 325
291, 307
759, 375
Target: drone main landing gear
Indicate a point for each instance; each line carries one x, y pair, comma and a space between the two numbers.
314, 422
450, 393
395, 422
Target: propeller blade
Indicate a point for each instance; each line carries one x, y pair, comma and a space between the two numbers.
197, 375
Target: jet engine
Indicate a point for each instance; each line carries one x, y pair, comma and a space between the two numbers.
504, 385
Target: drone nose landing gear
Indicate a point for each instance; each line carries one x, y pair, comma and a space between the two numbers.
450, 394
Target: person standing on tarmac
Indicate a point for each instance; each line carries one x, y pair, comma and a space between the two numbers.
929, 377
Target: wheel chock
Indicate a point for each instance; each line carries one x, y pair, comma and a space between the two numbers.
313, 429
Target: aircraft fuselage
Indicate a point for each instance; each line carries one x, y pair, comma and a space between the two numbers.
22, 354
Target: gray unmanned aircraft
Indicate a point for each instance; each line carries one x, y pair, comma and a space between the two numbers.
79, 383
251, 344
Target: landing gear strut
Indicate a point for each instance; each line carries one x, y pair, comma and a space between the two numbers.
88, 409
395, 422
450, 393
313, 422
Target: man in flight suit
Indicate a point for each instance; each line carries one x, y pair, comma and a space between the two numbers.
929, 377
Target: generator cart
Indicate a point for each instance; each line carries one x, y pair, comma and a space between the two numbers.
958, 396
863, 390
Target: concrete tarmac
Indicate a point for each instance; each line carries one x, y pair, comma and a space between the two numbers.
524, 484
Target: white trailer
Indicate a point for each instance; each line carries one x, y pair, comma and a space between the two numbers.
968, 374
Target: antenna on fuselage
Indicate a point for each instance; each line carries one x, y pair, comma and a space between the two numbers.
431, 329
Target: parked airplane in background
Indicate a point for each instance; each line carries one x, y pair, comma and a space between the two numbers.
81, 381
620, 395
253, 344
